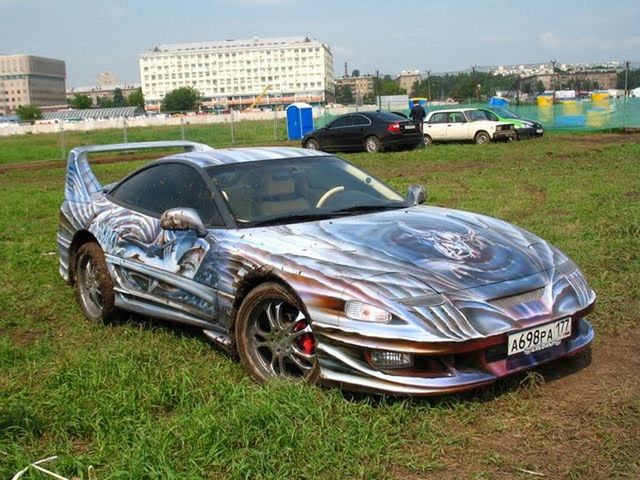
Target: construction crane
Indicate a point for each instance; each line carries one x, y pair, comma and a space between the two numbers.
258, 98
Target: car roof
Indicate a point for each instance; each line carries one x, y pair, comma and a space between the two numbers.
461, 109
226, 156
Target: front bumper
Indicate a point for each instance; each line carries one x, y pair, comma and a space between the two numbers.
530, 132
470, 365
504, 135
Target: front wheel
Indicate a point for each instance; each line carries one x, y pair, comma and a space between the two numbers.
428, 141
373, 144
274, 337
94, 286
482, 138
312, 144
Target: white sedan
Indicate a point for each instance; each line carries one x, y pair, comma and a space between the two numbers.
465, 124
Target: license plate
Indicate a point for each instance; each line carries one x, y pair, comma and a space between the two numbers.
539, 130
539, 338
409, 127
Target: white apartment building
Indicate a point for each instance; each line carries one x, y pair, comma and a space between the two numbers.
241, 73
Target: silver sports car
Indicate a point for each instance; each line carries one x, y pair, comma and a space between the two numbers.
308, 267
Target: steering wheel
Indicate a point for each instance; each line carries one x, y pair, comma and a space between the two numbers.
325, 196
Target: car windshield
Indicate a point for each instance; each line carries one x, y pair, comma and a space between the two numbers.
504, 113
300, 189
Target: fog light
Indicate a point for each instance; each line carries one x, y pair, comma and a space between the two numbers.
383, 359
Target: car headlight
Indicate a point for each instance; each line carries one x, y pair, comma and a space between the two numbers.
364, 312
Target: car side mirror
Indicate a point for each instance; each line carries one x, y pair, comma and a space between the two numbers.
183, 219
416, 195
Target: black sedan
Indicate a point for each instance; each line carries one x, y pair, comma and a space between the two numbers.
369, 131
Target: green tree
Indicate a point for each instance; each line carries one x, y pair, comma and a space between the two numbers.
81, 102
387, 86
28, 113
104, 102
540, 87
118, 98
181, 99
355, 73
136, 99
344, 95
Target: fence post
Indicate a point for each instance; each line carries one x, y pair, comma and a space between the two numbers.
233, 137
182, 128
275, 124
124, 130
63, 152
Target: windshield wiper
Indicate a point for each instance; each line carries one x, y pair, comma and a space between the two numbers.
370, 208
291, 219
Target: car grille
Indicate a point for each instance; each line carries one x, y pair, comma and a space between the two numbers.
520, 298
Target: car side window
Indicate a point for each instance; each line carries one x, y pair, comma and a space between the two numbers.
360, 121
341, 122
168, 185
442, 117
457, 117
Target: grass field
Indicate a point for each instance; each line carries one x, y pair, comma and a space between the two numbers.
29, 148
147, 399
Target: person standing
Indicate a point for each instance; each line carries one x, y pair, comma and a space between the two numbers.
417, 115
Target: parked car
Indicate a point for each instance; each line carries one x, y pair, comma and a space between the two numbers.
465, 124
311, 268
369, 131
524, 128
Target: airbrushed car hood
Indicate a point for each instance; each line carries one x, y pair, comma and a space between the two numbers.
446, 249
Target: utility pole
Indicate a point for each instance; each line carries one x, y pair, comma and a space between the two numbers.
475, 83
553, 79
626, 79
429, 85
378, 89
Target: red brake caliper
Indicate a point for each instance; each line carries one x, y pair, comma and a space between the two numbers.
306, 342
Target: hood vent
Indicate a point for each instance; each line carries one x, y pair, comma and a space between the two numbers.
520, 298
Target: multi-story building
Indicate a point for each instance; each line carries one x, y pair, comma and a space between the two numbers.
31, 80
360, 86
407, 80
241, 73
105, 88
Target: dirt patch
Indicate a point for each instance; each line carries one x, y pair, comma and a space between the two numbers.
24, 337
583, 421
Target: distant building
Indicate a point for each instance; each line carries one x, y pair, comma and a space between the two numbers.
31, 80
579, 80
241, 73
106, 79
360, 86
407, 79
101, 90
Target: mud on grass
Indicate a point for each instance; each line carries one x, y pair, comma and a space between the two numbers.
149, 399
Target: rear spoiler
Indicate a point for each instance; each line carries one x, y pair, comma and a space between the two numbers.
81, 183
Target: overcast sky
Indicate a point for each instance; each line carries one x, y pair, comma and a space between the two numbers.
94, 36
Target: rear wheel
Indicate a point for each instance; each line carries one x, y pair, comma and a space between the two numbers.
94, 286
482, 138
312, 144
373, 144
274, 337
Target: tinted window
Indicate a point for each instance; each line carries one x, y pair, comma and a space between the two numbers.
387, 117
359, 120
442, 117
475, 115
170, 185
341, 122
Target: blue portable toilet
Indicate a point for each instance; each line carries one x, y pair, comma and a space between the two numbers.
498, 102
299, 120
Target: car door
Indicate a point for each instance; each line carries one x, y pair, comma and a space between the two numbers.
336, 133
458, 127
436, 126
170, 268
357, 131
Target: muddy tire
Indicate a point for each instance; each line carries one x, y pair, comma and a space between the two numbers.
274, 337
93, 284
